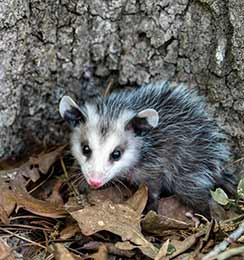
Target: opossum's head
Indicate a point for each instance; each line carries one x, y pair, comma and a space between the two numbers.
106, 144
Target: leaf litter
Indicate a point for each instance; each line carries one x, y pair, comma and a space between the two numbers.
44, 215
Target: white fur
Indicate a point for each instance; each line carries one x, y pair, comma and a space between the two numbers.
99, 167
93, 117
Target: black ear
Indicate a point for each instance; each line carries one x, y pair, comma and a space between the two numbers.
71, 112
143, 121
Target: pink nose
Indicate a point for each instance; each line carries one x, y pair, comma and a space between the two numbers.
96, 184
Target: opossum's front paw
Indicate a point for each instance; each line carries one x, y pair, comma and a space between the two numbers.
195, 219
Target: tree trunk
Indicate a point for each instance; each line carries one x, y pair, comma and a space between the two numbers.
49, 48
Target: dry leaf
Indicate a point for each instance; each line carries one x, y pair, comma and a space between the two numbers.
163, 251
32, 168
156, 224
138, 202
62, 253
39, 207
102, 254
44, 161
7, 202
94, 245
29, 170
56, 197
182, 246
5, 252
18, 195
119, 219
72, 204
69, 231
3, 216
125, 245
116, 194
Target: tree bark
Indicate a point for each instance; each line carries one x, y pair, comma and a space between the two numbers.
50, 48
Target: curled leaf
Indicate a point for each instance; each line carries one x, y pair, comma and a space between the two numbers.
220, 196
240, 188
36, 206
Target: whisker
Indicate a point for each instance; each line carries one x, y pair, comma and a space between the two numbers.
126, 188
78, 179
117, 187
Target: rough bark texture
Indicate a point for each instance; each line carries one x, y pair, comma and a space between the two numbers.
49, 48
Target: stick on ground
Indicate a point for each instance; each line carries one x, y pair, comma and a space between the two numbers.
224, 244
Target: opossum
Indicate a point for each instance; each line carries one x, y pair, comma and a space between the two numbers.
159, 135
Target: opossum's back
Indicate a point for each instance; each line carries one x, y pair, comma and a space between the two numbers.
186, 136
165, 97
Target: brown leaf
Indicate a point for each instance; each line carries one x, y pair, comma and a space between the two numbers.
62, 253
113, 249
116, 194
69, 231
44, 161
156, 224
182, 246
32, 168
29, 171
56, 197
72, 204
119, 219
3, 216
5, 252
102, 254
139, 200
7, 202
39, 207
125, 245
163, 251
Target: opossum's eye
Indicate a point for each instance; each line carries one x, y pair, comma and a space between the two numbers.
86, 150
115, 155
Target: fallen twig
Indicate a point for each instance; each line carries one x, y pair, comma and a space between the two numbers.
231, 252
108, 89
224, 244
23, 238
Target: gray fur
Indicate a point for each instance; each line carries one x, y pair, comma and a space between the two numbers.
185, 154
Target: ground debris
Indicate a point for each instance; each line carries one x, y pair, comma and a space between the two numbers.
42, 216
122, 219
5, 252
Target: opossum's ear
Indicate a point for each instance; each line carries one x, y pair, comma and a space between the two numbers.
151, 115
70, 111
144, 120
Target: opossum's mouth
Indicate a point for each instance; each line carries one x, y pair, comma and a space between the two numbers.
96, 180
95, 184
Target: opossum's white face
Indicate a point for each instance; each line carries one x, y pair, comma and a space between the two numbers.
104, 149
103, 157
